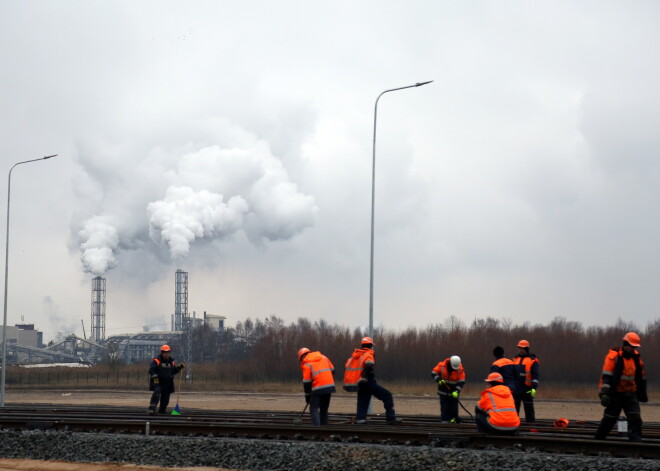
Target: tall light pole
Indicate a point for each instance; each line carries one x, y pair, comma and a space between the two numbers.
4, 322
373, 197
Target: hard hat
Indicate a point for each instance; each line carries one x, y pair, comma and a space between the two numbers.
302, 351
523, 344
165, 348
633, 339
455, 362
367, 340
561, 423
494, 377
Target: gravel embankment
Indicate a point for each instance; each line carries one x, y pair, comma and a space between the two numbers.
293, 456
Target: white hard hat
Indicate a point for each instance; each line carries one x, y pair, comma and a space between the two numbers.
455, 362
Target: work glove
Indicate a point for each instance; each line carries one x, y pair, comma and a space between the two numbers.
181, 366
454, 394
308, 397
442, 382
156, 380
604, 400
532, 393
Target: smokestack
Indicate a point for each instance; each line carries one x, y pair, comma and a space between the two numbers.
98, 309
180, 321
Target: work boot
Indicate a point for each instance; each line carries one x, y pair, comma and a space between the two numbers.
394, 421
361, 421
151, 411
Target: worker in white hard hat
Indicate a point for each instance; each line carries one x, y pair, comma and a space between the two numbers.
450, 376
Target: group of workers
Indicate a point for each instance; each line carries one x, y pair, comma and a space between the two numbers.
511, 383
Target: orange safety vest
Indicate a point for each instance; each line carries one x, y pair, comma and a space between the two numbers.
498, 403
317, 369
354, 373
528, 369
455, 379
626, 381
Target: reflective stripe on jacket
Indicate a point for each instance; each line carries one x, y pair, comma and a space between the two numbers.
626, 381
356, 366
455, 379
317, 369
498, 403
528, 371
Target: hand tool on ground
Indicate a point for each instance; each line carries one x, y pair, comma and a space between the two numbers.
298, 420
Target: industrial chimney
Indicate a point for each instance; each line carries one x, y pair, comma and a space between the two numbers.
180, 320
98, 309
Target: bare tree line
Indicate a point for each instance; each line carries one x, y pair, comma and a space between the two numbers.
265, 350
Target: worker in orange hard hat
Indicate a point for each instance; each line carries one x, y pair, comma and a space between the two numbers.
623, 387
318, 383
161, 379
450, 376
359, 376
496, 410
527, 380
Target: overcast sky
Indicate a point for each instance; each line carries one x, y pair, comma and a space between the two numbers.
234, 139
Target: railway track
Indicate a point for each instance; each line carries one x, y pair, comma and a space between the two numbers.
415, 430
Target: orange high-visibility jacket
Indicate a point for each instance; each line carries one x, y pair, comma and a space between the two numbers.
455, 379
528, 371
626, 381
317, 369
498, 403
362, 359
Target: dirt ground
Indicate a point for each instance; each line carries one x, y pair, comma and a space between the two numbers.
344, 403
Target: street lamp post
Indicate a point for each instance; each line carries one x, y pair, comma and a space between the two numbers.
4, 322
373, 195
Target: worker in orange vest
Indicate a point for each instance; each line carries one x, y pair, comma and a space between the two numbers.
161, 379
496, 410
623, 386
318, 383
527, 380
450, 376
359, 376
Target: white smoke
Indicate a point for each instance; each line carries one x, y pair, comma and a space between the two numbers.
98, 242
185, 215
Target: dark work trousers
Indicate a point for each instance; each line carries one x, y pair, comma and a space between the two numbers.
163, 394
484, 426
318, 408
371, 388
448, 408
630, 405
528, 404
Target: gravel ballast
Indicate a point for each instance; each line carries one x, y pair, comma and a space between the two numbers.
286, 455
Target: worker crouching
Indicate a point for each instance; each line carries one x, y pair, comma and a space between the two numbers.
318, 382
496, 410
161, 379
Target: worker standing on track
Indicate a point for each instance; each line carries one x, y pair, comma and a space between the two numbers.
318, 382
505, 367
623, 386
161, 379
360, 377
527, 380
450, 376
496, 410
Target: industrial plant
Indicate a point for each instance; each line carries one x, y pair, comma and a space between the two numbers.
25, 343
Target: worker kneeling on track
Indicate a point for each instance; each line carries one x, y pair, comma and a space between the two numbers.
496, 410
161, 379
319, 383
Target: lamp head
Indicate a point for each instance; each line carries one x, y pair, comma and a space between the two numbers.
419, 84
50, 156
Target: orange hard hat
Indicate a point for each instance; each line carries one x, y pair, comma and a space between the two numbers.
367, 340
633, 339
302, 352
494, 377
165, 348
561, 423
523, 344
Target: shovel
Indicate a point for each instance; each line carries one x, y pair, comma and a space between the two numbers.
298, 420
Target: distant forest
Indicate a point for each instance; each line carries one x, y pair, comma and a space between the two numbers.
265, 350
